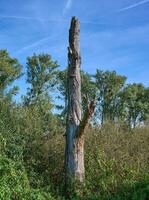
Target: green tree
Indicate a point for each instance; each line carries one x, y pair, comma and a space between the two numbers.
88, 89
61, 77
10, 70
109, 84
40, 75
146, 102
134, 99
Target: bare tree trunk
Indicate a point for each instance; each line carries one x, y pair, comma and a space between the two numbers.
74, 152
75, 126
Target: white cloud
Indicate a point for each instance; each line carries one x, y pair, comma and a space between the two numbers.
99, 23
53, 20
30, 18
133, 5
18, 17
68, 6
34, 44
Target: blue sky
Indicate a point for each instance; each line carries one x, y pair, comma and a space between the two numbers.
114, 33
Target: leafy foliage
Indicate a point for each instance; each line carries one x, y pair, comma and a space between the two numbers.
10, 70
88, 89
40, 75
109, 85
32, 135
135, 103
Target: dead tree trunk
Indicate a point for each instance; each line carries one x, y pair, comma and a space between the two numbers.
74, 151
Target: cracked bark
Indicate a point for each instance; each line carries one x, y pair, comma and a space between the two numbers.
74, 151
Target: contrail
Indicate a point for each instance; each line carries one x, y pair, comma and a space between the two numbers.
99, 23
133, 5
29, 18
54, 20
18, 17
33, 44
67, 6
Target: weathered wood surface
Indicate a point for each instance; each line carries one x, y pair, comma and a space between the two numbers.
74, 154
74, 151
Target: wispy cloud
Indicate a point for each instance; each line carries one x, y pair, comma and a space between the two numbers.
18, 17
133, 5
54, 20
99, 23
30, 18
34, 44
67, 6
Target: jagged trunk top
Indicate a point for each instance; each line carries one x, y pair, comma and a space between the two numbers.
74, 35
74, 79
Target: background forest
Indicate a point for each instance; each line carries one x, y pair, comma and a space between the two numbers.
32, 133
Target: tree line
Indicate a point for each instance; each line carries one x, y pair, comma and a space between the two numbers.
116, 101
32, 134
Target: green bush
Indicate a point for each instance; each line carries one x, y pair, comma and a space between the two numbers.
14, 183
32, 162
117, 164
